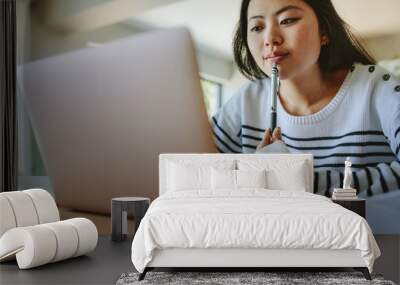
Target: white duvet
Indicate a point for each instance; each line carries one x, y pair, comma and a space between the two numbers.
251, 218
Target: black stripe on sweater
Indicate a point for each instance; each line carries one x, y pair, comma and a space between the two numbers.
395, 176
224, 143
328, 183
340, 165
316, 174
220, 150
225, 133
355, 180
369, 179
365, 154
252, 128
329, 147
249, 146
339, 145
396, 132
385, 188
358, 133
251, 137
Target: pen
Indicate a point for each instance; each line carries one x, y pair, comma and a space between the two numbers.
274, 94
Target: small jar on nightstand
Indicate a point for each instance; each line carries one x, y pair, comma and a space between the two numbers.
355, 205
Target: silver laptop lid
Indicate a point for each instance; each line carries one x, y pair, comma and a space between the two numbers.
101, 116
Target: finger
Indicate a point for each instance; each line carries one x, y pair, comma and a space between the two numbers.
277, 135
266, 140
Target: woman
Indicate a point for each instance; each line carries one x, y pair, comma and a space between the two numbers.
333, 101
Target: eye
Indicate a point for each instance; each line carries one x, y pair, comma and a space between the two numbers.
256, 28
289, 21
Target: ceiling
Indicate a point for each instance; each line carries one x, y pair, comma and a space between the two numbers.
212, 22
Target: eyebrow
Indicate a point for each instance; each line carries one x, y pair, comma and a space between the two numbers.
280, 11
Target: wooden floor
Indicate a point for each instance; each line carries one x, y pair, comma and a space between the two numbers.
110, 260
389, 262
103, 266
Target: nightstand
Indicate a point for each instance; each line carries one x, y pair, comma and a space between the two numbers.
355, 205
120, 209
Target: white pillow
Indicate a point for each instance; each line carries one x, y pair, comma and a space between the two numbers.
182, 178
189, 175
223, 179
251, 178
237, 179
281, 174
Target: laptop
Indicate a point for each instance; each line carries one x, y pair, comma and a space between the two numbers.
102, 116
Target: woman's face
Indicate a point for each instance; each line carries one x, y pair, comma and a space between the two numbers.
285, 32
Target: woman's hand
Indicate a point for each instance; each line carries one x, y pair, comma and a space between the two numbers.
269, 138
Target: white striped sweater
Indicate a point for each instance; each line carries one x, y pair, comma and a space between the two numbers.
362, 122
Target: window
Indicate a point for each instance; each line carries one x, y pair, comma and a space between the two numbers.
212, 96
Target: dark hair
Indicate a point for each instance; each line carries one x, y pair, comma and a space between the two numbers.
342, 50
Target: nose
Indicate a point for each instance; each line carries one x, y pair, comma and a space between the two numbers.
272, 37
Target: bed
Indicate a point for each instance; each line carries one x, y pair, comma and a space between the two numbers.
245, 211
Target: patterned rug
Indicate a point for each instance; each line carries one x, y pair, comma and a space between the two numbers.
244, 278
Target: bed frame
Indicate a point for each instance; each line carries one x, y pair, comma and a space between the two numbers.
249, 259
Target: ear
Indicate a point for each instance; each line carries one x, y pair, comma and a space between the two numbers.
324, 40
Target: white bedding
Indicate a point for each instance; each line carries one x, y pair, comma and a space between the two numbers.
250, 218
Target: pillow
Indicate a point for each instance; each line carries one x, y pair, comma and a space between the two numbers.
223, 179
237, 179
281, 174
251, 178
182, 177
189, 175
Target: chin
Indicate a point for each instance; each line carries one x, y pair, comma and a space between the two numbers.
284, 74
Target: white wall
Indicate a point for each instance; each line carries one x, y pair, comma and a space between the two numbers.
384, 47
46, 42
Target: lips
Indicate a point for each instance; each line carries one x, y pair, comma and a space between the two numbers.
276, 57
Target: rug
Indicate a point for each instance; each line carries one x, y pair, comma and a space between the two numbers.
244, 278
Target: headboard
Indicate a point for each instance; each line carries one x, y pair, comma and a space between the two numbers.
208, 157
